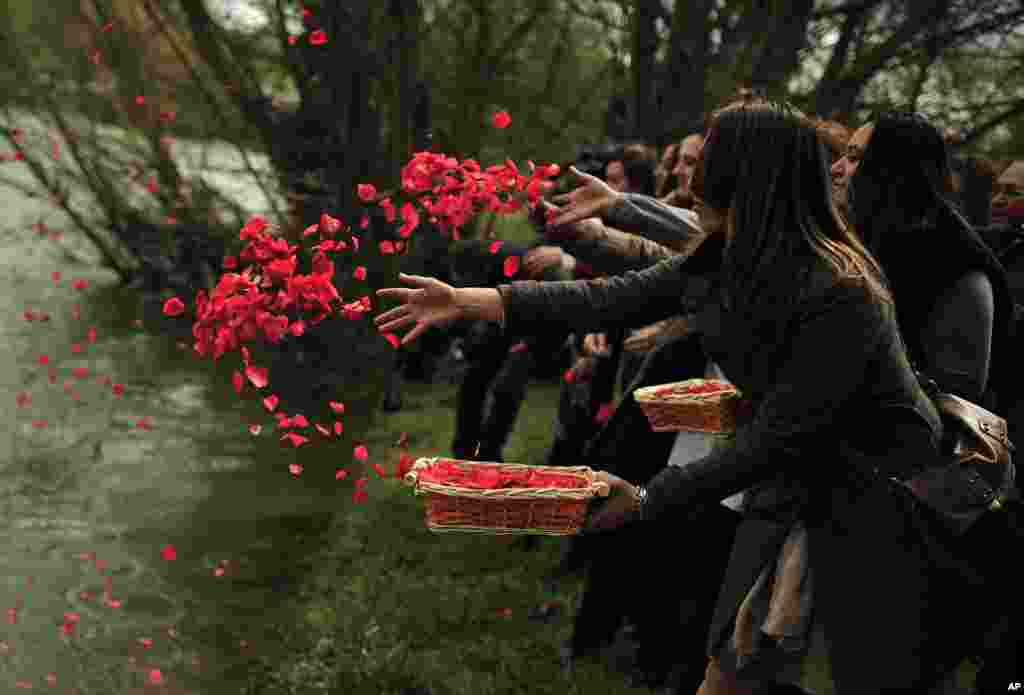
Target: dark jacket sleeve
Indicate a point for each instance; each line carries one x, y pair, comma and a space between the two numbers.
589, 306
613, 252
956, 358
648, 217
847, 329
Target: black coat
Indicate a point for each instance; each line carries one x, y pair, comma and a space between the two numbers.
838, 412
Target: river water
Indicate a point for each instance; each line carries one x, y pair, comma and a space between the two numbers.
88, 500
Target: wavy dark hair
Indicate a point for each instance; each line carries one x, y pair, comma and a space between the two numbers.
904, 179
902, 206
765, 163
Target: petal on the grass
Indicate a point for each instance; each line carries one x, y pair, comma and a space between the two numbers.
169, 553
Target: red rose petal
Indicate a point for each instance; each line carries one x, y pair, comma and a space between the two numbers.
174, 307
257, 376
501, 120
366, 192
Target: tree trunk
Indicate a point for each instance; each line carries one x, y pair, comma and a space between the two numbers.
687, 67
645, 119
779, 56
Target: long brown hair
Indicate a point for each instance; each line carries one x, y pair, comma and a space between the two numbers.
766, 164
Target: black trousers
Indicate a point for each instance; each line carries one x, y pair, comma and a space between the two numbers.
666, 575
498, 371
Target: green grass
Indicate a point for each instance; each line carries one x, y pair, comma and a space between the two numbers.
394, 606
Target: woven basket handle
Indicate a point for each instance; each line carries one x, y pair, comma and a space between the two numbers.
412, 477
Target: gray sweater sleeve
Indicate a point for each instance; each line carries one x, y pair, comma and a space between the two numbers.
648, 217
613, 252
958, 359
625, 301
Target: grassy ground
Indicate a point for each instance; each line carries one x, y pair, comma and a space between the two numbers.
395, 608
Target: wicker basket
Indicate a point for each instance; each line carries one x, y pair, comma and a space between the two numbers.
714, 408
549, 511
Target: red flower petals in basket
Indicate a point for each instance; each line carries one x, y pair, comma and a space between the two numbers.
695, 405
503, 499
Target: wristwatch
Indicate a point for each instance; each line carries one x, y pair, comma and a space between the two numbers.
640, 494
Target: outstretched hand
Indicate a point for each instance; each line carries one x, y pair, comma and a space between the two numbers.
591, 199
428, 303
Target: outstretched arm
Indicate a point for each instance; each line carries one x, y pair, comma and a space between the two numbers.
631, 300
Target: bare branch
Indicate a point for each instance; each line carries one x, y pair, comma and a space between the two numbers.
199, 82
518, 33
994, 122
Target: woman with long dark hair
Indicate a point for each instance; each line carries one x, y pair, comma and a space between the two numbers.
797, 314
952, 299
954, 310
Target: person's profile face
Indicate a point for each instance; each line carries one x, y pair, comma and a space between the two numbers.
1009, 187
615, 177
668, 156
844, 167
689, 150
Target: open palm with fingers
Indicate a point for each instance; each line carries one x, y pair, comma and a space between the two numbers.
428, 303
591, 199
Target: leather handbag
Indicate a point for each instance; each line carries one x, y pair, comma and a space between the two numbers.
980, 474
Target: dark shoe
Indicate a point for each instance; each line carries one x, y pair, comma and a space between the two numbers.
783, 689
547, 611
643, 678
567, 658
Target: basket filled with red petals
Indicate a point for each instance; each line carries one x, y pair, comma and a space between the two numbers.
694, 405
504, 498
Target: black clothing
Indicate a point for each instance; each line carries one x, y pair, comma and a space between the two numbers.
499, 371
672, 606
838, 413
924, 262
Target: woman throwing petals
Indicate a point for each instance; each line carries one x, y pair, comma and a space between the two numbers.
797, 314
